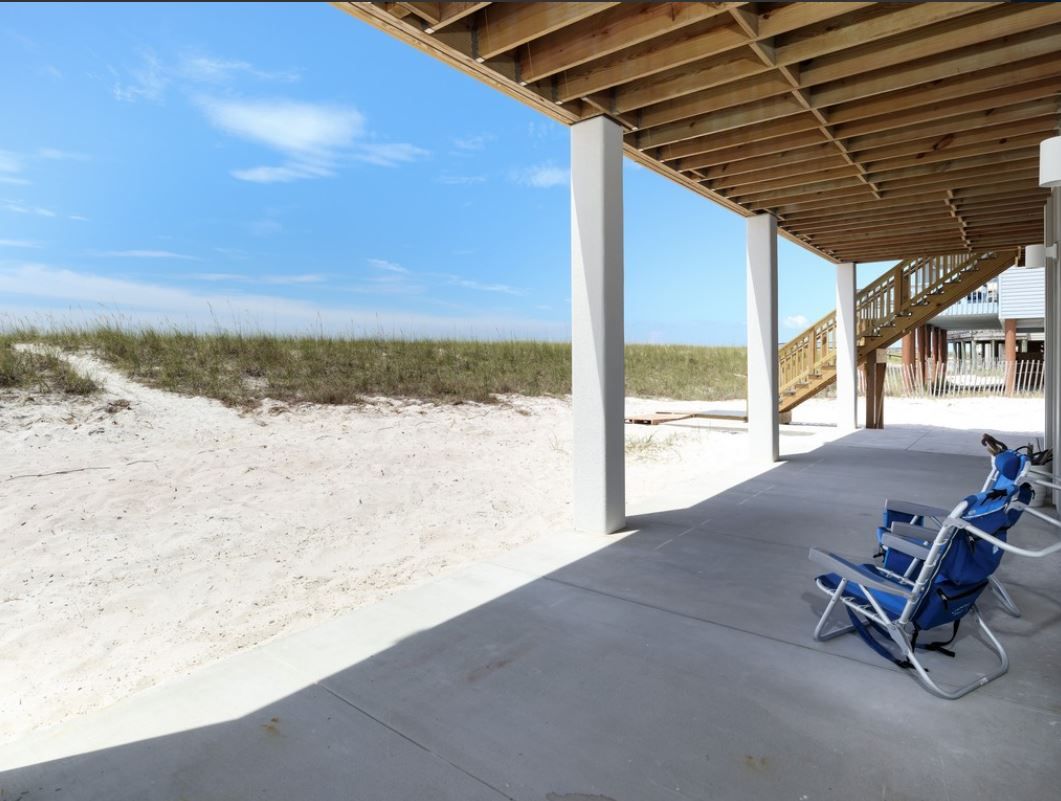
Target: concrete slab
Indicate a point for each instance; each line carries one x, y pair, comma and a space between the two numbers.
558, 692
934, 439
309, 745
672, 661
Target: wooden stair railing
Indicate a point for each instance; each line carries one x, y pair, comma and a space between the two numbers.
905, 297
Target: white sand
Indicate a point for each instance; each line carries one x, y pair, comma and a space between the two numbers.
186, 530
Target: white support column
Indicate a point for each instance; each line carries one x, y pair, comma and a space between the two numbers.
1050, 361
846, 348
597, 391
1052, 344
762, 338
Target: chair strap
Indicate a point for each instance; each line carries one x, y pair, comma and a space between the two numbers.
864, 632
939, 646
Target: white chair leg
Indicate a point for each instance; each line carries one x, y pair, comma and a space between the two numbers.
1008, 604
819, 631
900, 638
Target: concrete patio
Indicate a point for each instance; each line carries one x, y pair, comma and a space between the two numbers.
673, 661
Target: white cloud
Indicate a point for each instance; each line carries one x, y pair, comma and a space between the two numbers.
388, 154
395, 275
87, 297
19, 208
388, 285
281, 175
10, 165
151, 78
796, 321
478, 286
289, 280
146, 254
271, 280
203, 68
148, 80
473, 143
78, 217
18, 243
461, 180
546, 129
55, 154
313, 138
217, 277
389, 266
264, 227
392, 279
541, 176
308, 130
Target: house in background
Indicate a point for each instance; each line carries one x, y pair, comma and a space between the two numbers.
992, 339
1012, 304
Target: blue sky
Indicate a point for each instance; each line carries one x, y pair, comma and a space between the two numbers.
285, 167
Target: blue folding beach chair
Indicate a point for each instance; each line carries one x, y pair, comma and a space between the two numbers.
1006, 467
943, 574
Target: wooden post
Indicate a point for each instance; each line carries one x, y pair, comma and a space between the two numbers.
1011, 356
922, 347
908, 362
874, 370
902, 289
941, 357
932, 357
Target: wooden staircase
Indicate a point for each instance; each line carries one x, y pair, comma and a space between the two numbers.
905, 297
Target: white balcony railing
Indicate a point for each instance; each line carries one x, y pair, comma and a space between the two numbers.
973, 305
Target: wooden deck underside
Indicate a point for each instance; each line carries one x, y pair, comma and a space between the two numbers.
873, 131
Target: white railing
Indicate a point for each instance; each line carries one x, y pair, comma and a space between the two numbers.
974, 305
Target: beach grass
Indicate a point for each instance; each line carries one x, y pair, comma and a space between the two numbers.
40, 372
241, 369
649, 446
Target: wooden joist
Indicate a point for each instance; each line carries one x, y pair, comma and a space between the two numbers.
616, 29
683, 46
877, 22
505, 26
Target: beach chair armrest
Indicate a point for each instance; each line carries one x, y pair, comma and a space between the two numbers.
916, 509
908, 539
856, 574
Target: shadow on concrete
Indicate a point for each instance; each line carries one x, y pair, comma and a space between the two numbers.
674, 663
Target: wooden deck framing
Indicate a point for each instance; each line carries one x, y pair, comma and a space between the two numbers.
873, 131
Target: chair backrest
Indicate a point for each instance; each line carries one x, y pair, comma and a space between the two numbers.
959, 564
1010, 469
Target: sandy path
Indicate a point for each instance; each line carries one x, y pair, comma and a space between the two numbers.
209, 530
